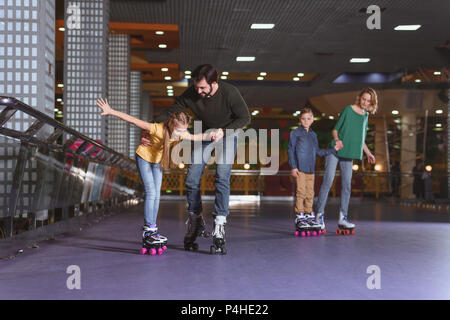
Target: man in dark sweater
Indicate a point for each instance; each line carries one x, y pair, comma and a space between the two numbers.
219, 106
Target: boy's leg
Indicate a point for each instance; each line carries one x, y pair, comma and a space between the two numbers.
300, 193
309, 192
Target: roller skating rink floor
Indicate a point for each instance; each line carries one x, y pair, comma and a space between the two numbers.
409, 246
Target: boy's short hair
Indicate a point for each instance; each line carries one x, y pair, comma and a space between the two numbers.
305, 110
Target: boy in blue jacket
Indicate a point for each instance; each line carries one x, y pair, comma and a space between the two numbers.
303, 148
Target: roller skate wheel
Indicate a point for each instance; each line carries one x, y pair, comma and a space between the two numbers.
195, 246
352, 232
296, 233
338, 232
212, 250
346, 232
324, 231
303, 234
143, 251
308, 233
153, 251
164, 248
314, 233
160, 251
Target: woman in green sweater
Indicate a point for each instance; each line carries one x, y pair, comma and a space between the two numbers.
349, 133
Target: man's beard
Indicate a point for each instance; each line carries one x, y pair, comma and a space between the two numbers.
208, 95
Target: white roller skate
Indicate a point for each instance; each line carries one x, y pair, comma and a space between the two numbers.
219, 236
321, 222
345, 227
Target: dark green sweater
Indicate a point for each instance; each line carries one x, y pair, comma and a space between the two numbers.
226, 109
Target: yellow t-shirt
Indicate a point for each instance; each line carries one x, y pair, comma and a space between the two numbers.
154, 153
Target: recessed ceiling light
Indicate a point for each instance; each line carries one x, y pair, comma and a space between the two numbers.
61, 29
169, 90
407, 27
438, 125
225, 73
260, 78
60, 85
300, 74
394, 111
296, 79
169, 87
331, 117
187, 72
439, 111
187, 76
167, 78
164, 69
359, 60
223, 77
418, 80
162, 46
245, 59
159, 32
263, 73
170, 94
437, 73
262, 26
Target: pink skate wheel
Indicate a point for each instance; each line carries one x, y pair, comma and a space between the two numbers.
308, 233
303, 234
143, 251
296, 233
314, 233
160, 251
164, 248
153, 251
320, 232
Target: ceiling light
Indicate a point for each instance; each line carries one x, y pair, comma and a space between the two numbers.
300, 74
418, 80
187, 72
167, 78
439, 111
410, 27
61, 29
437, 73
223, 77
225, 73
162, 46
260, 78
359, 60
245, 59
263, 73
169, 87
164, 69
438, 125
296, 79
187, 76
262, 26
169, 90
170, 94
159, 32
394, 111
60, 85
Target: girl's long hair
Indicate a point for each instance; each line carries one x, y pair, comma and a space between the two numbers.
374, 99
176, 118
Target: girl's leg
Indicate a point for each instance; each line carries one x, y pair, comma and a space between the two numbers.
331, 162
146, 175
156, 195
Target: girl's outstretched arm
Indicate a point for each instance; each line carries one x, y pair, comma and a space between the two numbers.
107, 110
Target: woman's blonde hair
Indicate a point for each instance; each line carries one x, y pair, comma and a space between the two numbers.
373, 98
175, 119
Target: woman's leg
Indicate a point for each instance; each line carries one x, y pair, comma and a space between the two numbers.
346, 183
331, 162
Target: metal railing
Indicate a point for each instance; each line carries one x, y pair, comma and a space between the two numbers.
80, 173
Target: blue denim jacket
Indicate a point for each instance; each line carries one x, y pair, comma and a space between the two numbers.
303, 148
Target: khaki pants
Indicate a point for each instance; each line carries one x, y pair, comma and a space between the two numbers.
304, 194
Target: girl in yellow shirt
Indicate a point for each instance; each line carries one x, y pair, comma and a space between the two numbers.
150, 160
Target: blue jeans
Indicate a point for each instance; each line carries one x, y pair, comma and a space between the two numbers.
331, 162
224, 162
151, 176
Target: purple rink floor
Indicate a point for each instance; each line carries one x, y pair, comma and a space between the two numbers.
410, 246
